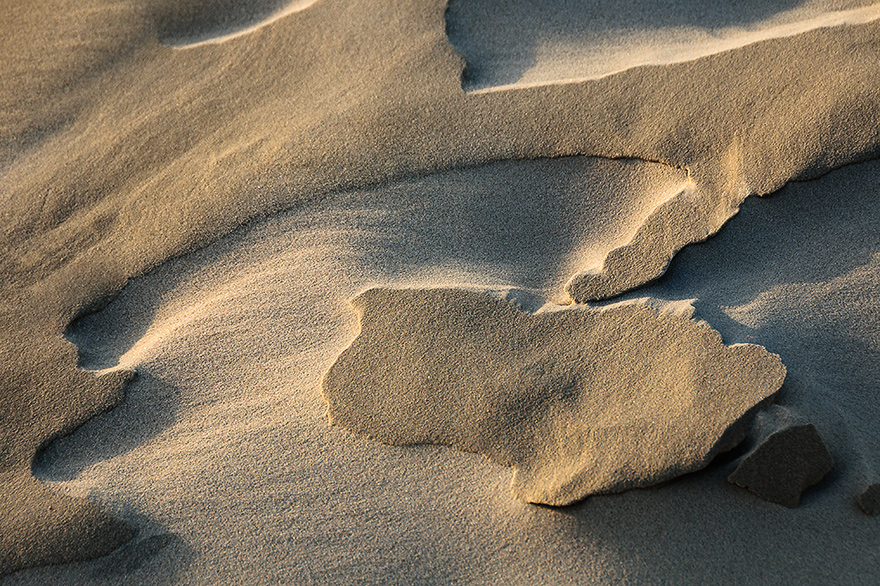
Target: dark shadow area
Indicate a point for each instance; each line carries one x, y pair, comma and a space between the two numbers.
808, 232
500, 41
147, 410
144, 554
100, 342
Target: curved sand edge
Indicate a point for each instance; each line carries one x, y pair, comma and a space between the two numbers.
571, 51
213, 25
579, 401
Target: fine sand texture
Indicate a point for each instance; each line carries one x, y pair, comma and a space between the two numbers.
578, 401
193, 191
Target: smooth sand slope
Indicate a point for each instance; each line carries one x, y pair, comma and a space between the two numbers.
119, 152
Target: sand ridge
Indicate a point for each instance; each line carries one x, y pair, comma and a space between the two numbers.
196, 24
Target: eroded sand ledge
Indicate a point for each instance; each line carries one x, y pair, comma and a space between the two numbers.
579, 401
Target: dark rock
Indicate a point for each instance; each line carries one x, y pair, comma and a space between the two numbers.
787, 457
869, 500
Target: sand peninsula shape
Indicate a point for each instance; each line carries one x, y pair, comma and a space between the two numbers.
527, 44
195, 23
681, 219
580, 401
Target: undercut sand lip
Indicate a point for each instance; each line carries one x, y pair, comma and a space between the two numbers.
593, 56
201, 40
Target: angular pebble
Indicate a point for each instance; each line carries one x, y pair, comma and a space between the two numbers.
788, 456
869, 500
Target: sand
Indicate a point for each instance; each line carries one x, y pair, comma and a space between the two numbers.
208, 187
579, 402
525, 43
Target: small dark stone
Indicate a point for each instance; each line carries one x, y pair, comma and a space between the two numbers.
787, 457
869, 500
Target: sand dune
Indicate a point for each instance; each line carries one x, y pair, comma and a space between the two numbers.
341, 137
525, 44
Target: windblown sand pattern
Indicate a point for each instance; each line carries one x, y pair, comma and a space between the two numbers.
267, 308
195, 189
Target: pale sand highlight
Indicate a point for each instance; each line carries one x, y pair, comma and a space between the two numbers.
578, 45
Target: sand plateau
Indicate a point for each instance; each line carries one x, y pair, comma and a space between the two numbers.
119, 153
578, 401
